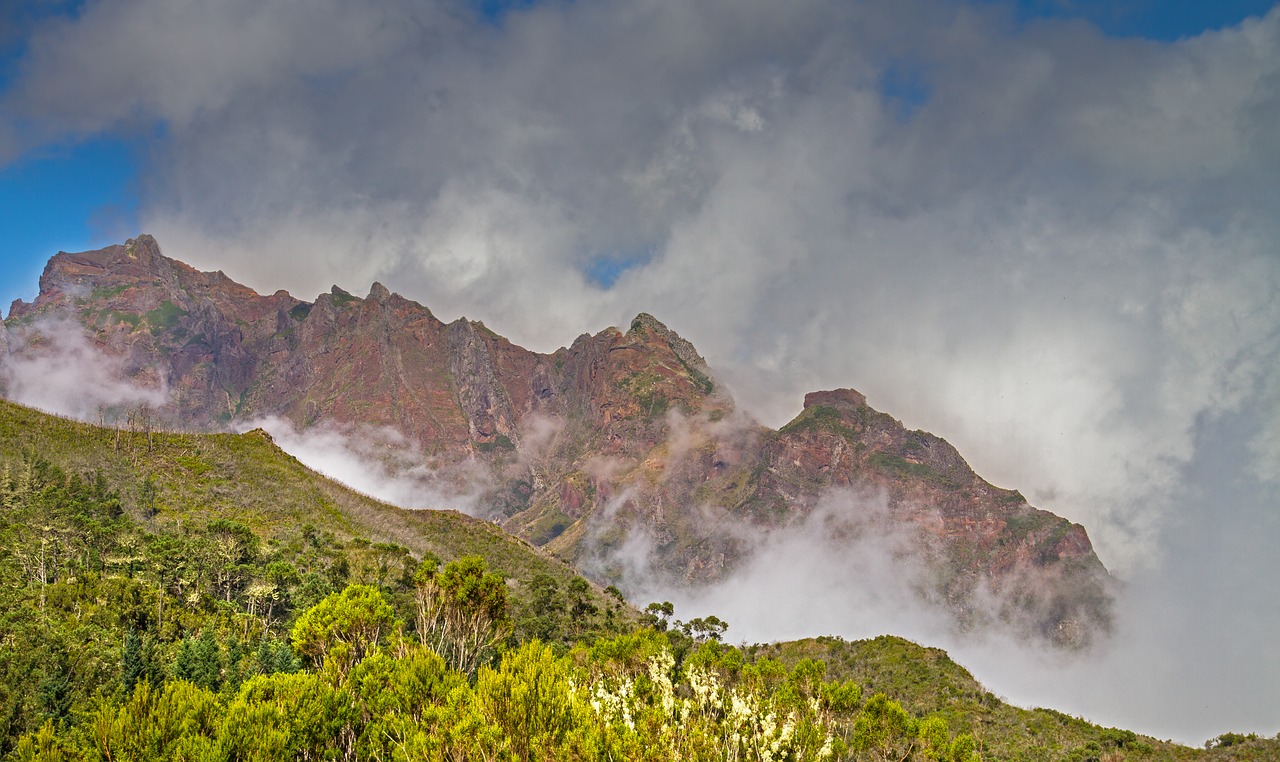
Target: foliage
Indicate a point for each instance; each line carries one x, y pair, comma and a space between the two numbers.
184, 597
461, 611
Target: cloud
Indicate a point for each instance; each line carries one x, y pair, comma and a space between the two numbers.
52, 365
1189, 640
1062, 259
379, 461
858, 569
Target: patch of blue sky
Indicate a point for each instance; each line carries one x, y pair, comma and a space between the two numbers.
494, 11
72, 198
16, 21
1161, 20
905, 88
603, 271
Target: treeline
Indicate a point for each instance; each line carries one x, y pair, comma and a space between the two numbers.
129, 630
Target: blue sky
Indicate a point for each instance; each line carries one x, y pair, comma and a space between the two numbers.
75, 195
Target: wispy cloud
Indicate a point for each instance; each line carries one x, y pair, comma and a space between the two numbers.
381, 462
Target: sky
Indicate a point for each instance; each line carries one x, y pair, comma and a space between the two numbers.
1048, 231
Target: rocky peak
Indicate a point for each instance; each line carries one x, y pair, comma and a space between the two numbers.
378, 293
645, 323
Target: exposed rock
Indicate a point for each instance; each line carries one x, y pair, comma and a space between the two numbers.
619, 432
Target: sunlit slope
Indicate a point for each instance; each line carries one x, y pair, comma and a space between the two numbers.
926, 681
169, 478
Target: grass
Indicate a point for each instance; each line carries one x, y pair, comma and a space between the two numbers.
164, 317
926, 681
248, 479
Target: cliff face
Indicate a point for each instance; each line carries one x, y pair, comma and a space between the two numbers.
618, 436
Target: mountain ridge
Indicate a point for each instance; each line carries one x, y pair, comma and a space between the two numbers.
583, 448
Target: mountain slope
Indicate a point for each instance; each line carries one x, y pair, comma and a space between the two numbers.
618, 438
168, 480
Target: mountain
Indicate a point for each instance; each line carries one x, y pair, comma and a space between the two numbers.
619, 453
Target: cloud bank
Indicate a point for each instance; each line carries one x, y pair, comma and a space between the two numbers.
1054, 248
381, 462
53, 365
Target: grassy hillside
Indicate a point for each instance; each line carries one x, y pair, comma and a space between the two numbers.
167, 480
926, 682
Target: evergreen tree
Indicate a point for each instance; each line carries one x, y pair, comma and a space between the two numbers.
133, 669
55, 688
207, 661
184, 666
265, 656
235, 655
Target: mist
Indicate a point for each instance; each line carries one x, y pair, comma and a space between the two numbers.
53, 365
1054, 248
382, 463
1192, 653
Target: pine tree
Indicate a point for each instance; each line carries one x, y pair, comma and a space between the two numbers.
55, 688
265, 656
208, 661
235, 654
134, 668
184, 666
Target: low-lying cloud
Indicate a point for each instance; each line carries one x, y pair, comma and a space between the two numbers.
52, 364
383, 463
1191, 654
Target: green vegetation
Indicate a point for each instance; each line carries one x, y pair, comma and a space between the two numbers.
167, 596
928, 683
646, 388
500, 443
342, 298
300, 311
164, 317
897, 466
818, 419
131, 555
132, 319
103, 293
370, 690
701, 380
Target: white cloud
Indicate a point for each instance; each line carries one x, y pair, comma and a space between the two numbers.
52, 365
381, 462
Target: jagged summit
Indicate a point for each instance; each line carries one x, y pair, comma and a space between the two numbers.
617, 436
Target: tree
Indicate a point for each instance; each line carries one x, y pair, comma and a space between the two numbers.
343, 628
235, 546
546, 608
529, 698
935, 739
133, 669
658, 615
884, 730
55, 688
461, 611
964, 749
